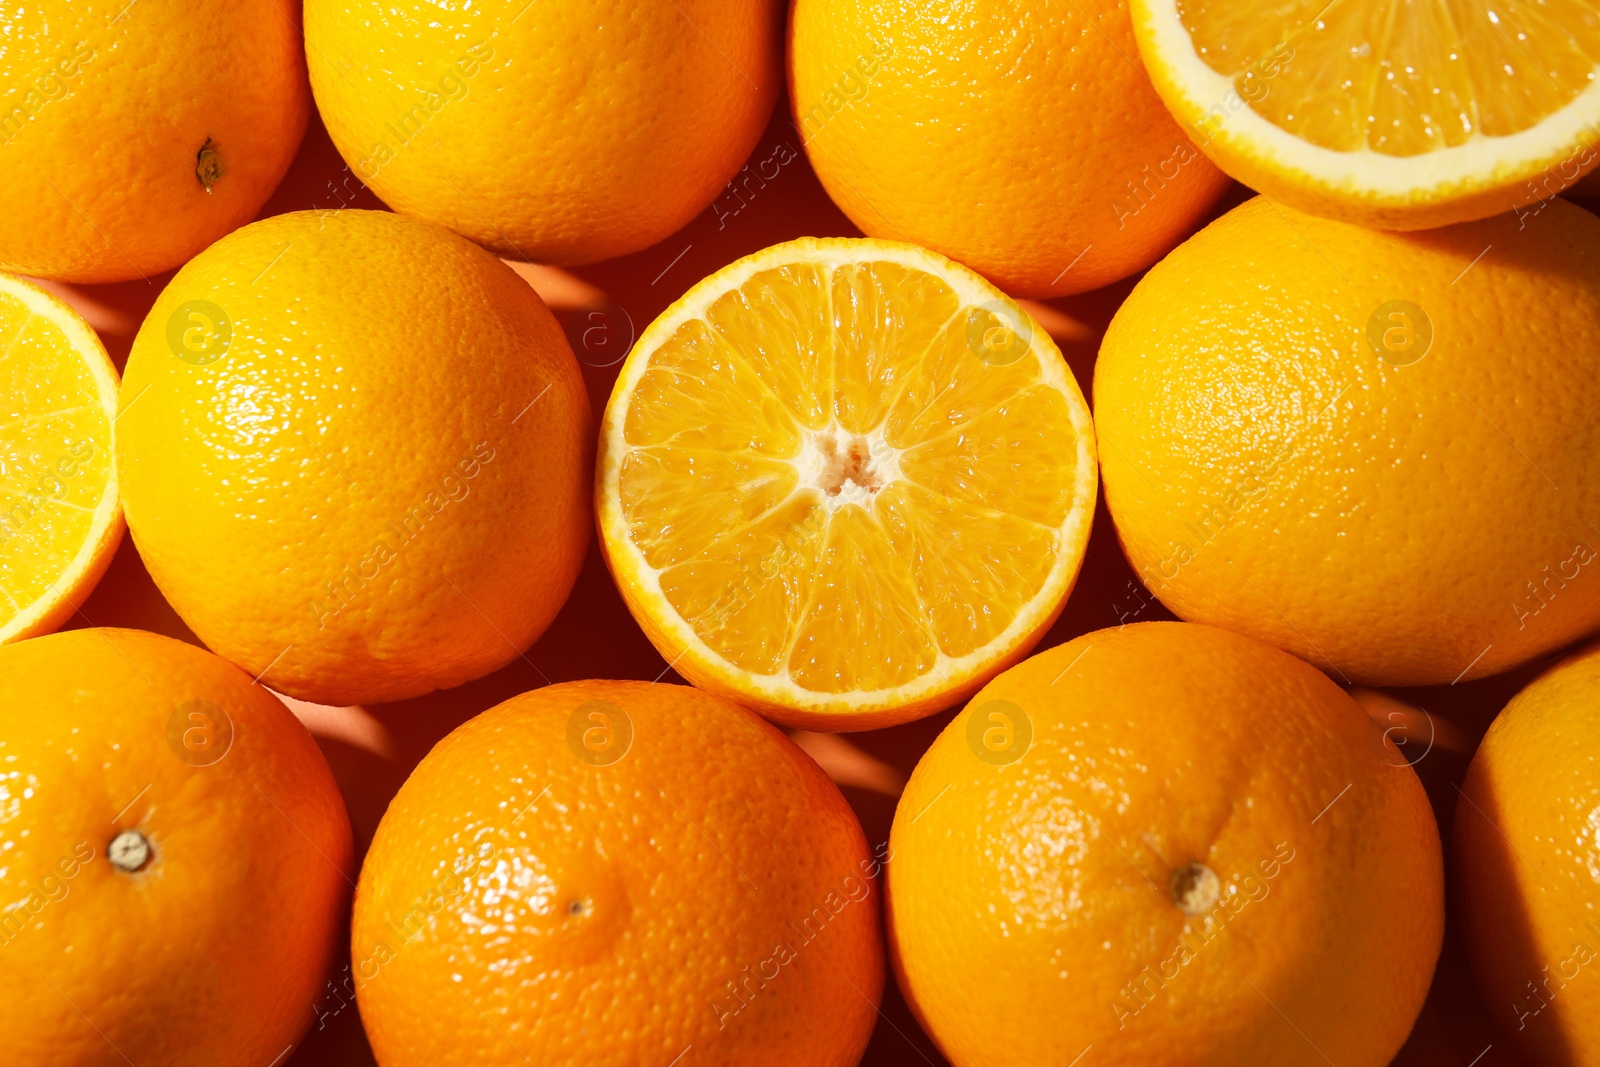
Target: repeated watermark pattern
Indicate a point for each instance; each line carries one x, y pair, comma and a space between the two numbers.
601, 334
199, 332
1549, 986
1130, 607
452, 487
1540, 592
48, 487
599, 732
738, 590
34, 95
1143, 190
1245, 494
737, 993
1394, 742
999, 732
199, 733
452, 85
999, 332
850, 87
1254, 89
1211, 907
1556, 179
52, 888
744, 187
447, 891
1399, 332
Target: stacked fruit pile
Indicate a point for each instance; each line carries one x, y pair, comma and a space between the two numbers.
1346, 433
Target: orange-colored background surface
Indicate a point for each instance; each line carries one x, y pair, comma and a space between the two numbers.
603, 307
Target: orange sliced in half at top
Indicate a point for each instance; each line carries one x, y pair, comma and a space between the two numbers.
1392, 113
60, 521
845, 482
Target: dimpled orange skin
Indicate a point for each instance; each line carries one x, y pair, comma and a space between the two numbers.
1392, 524
381, 487
1026, 143
555, 132
520, 905
1024, 898
214, 950
1527, 865
107, 107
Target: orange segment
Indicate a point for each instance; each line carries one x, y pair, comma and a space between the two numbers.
952, 386
678, 496
60, 521
701, 390
845, 482
886, 317
968, 562
1001, 458
865, 629
745, 594
778, 321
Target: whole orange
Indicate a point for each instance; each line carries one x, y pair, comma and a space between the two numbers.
132, 135
1022, 140
1167, 844
558, 132
176, 857
1527, 865
613, 874
1375, 450
354, 451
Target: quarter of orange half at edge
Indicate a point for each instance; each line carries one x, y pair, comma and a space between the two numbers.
1390, 114
845, 482
60, 518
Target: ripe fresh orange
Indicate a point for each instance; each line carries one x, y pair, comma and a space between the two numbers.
354, 450
613, 874
60, 519
132, 135
1403, 116
562, 133
176, 857
845, 482
1527, 865
1022, 140
1166, 844
1375, 450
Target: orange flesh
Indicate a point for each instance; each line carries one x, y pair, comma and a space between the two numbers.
833, 485
1397, 77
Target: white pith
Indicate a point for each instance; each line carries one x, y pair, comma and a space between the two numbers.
815, 466
949, 672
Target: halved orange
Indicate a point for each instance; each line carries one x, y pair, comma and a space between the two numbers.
60, 519
845, 482
1387, 113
